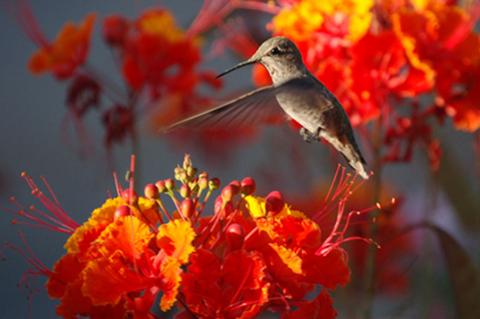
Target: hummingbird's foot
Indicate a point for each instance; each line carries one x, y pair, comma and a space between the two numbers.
308, 136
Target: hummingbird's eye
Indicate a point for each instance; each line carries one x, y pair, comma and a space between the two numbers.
275, 51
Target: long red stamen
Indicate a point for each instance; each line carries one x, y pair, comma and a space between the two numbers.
27, 21
242, 284
342, 187
118, 186
55, 218
27, 253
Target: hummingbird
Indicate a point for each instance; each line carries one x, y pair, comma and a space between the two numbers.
296, 92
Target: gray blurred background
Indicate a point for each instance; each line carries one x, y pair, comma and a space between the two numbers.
32, 110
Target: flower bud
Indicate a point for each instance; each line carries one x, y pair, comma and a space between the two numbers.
180, 174
161, 186
151, 191
185, 191
121, 211
191, 171
169, 184
214, 183
227, 193
274, 202
188, 208
187, 161
248, 186
202, 182
235, 236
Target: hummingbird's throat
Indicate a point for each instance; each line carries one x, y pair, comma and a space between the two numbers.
283, 71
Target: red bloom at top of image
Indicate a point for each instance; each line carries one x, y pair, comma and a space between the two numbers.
67, 52
440, 39
158, 55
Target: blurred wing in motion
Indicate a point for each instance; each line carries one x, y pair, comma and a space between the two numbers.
249, 109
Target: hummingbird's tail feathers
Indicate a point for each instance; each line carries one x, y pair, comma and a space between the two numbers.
350, 152
246, 110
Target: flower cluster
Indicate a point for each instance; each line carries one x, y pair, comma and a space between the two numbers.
403, 63
252, 254
153, 55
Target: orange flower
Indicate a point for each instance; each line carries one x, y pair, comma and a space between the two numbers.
440, 39
294, 239
252, 254
159, 56
67, 52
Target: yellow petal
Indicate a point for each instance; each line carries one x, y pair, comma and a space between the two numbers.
255, 206
289, 258
175, 238
101, 218
129, 235
172, 274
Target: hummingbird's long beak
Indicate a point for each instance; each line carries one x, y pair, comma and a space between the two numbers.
238, 66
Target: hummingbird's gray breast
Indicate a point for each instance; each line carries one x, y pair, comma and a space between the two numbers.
306, 100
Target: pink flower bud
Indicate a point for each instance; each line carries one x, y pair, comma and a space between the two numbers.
274, 202
202, 182
188, 207
248, 186
161, 186
185, 191
121, 211
228, 192
169, 184
214, 183
151, 191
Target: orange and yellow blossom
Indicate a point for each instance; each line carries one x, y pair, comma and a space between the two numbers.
307, 17
254, 253
116, 260
440, 39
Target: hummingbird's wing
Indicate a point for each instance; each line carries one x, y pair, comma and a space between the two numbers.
249, 109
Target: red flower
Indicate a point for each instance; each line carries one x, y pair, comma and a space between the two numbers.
118, 122
157, 54
319, 308
69, 50
441, 40
83, 94
252, 254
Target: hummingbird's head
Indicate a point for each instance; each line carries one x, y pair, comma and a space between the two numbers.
277, 50
279, 55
